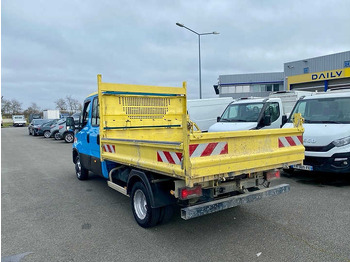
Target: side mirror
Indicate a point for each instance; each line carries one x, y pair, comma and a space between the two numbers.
218, 119
284, 120
267, 120
70, 122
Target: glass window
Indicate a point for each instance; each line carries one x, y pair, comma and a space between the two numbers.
255, 88
324, 110
86, 113
276, 87
273, 109
95, 119
242, 112
245, 89
268, 87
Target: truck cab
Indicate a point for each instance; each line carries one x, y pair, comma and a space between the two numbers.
249, 114
86, 141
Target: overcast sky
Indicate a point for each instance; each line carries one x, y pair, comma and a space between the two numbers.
50, 49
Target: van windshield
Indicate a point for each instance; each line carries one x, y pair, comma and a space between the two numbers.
323, 110
242, 112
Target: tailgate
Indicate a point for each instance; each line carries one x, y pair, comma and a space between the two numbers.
238, 152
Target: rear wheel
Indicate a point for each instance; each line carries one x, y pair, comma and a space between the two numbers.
47, 134
81, 172
144, 214
69, 137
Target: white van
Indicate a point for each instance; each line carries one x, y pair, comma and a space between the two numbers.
19, 120
204, 112
251, 113
327, 131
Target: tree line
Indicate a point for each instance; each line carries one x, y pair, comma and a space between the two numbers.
10, 107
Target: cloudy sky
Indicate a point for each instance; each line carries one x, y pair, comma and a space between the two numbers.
50, 49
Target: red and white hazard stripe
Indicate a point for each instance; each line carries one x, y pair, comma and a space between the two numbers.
109, 148
169, 157
208, 149
290, 141
195, 150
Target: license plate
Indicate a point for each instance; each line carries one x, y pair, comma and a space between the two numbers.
303, 167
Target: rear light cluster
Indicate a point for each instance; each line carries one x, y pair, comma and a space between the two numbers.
60, 127
190, 192
274, 174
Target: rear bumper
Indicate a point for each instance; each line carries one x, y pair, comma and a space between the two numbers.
226, 203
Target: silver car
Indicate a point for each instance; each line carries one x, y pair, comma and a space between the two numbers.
56, 128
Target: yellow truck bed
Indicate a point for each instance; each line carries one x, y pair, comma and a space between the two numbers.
148, 127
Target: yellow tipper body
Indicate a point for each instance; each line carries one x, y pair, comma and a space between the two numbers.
147, 127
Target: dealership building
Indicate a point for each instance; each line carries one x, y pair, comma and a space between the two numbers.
310, 74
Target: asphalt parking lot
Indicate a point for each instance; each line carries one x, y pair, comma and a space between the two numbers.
49, 215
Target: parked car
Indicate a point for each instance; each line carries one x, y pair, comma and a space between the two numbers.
45, 128
54, 131
37, 128
76, 117
66, 133
36, 122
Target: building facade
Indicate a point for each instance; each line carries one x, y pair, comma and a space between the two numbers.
319, 73
246, 85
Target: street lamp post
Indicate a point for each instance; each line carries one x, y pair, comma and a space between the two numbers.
199, 52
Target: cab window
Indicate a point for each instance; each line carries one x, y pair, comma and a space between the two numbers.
95, 119
273, 110
85, 115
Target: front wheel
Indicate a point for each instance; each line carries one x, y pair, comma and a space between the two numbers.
47, 134
81, 172
144, 214
57, 136
69, 137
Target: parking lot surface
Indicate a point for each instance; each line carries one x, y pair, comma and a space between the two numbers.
49, 215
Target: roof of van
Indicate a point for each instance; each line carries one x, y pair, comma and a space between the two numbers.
328, 95
255, 100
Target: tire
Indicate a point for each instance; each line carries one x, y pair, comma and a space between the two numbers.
144, 214
29, 132
57, 136
69, 137
47, 134
33, 132
81, 172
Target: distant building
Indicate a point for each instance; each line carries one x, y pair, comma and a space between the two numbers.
311, 74
244, 85
319, 73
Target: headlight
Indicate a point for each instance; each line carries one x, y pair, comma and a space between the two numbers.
342, 142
